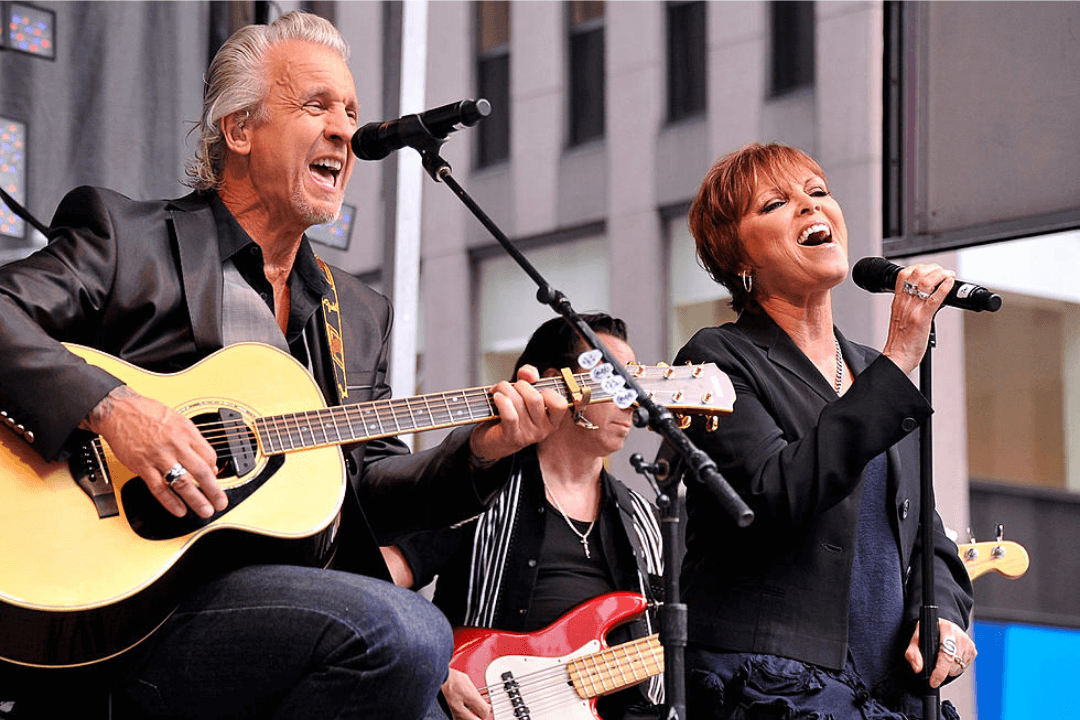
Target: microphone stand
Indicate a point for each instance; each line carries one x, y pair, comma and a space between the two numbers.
672, 614
928, 614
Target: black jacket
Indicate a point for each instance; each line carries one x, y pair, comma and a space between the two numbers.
143, 281
796, 452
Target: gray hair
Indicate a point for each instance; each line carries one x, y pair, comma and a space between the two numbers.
237, 82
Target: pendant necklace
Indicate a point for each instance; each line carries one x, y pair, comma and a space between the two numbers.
583, 536
839, 382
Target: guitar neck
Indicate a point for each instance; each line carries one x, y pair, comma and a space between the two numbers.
342, 424
617, 667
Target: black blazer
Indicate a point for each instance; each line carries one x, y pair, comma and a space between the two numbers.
143, 282
795, 452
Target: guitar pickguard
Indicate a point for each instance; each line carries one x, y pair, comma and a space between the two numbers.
151, 521
527, 687
237, 458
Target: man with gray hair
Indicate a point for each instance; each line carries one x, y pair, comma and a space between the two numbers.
163, 285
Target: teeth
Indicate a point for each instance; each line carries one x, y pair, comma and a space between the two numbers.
814, 229
334, 165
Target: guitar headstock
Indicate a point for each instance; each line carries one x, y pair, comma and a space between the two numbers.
686, 389
1008, 558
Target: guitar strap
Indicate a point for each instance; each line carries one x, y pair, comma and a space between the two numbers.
332, 323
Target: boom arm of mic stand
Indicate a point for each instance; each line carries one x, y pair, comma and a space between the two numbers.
659, 418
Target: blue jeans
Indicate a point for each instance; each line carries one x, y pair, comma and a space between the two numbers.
742, 686
289, 642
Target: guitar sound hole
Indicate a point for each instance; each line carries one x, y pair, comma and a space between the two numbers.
237, 456
232, 439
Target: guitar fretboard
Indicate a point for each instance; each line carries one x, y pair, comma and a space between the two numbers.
686, 389
382, 418
352, 423
617, 667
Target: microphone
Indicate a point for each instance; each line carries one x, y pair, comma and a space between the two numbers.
876, 274
375, 141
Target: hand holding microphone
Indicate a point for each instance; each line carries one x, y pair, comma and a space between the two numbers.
877, 274
920, 291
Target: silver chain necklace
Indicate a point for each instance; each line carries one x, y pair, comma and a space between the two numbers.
838, 383
584, 536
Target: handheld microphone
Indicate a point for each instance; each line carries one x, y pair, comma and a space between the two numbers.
876, 274
375, 141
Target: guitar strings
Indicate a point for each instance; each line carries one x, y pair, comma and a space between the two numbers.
294, 425
545, 688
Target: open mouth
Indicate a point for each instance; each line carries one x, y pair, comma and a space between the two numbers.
326, 171
816, 234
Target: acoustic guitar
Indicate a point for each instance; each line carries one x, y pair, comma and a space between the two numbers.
91, 564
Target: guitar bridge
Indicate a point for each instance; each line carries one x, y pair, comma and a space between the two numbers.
91, 473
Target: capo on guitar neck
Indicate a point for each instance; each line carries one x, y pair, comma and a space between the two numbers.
580, 399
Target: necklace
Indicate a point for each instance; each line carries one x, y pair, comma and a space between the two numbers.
838, 383
584, 536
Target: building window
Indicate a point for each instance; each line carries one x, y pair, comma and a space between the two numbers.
507, 309
695, 299
791, 31
493, 80
586, 71
685, 59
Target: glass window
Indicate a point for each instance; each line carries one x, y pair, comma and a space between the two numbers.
586, 71
493, 80
1022, 363
696, 300
509, 311
791, 33
685, 59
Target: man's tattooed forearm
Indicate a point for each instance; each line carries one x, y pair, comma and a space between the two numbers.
104, 408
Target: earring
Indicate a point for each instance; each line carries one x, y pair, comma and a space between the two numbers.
747, 281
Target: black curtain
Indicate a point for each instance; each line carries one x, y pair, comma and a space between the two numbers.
115, 105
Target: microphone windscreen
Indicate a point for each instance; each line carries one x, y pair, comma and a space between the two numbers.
875, 274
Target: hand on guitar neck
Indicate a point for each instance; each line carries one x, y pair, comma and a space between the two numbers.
525, 416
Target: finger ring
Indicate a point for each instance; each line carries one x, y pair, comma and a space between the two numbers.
949, 646
922, 295
176, 472
910, 289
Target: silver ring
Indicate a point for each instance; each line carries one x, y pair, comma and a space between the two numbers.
910, 289
176, 472
949, 646
921, 295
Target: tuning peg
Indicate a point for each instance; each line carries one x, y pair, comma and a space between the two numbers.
1000, 535
713, 424
683, 421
